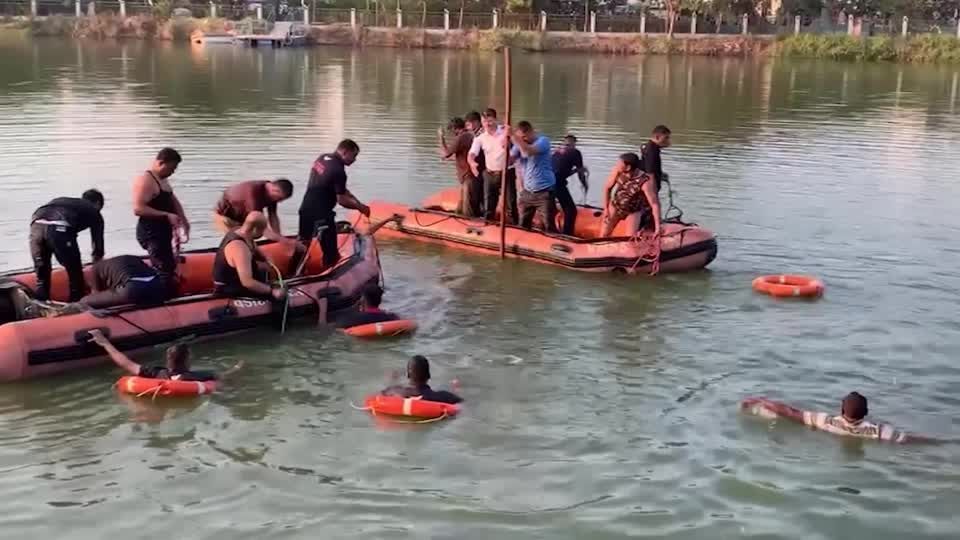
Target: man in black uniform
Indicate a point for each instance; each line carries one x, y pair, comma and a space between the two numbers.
650, 153
326, 188
125, 280
53, 231
567, 160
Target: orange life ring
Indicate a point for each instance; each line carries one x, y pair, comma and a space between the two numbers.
141, 386
412, 407
789, 286
382, 329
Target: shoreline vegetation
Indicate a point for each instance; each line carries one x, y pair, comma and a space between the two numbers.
923, 48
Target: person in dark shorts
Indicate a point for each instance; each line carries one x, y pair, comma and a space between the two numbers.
470, 190
531, 153
53, 232
327, 187
490, 144
418, 373
176, 367
253, 195
567, 160
161, 215
650, 153
239, 268
125, 279
369, 312
630, 194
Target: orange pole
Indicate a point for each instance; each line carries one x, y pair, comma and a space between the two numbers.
503, 173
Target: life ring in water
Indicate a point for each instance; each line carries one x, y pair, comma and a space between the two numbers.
141, 386
382, 329
412, 408
787, 286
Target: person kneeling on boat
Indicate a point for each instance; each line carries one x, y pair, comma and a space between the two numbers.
369, 312
850, 422
239, 268
176, 368
125, 279
418, 373
634, 200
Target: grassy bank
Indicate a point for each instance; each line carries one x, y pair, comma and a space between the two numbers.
924, 48
110, 26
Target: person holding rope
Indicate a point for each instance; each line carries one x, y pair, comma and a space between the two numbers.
630, 194
176, 367
418, 374
326, 188
161, 215
239, 268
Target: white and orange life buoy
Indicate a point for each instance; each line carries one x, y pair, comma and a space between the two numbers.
412, 407
142, 386
382, 329
788, 286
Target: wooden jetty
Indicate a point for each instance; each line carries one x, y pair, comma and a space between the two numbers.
283, 34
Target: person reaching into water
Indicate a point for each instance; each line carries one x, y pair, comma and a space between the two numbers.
418, 373
851, 421
125, 279
240, 268
53, 232
650, 154
630, 194
176, 367
161, 214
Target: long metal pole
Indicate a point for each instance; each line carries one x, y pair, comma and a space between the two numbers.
503, 173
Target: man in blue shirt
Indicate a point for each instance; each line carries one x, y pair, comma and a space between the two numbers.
531, 152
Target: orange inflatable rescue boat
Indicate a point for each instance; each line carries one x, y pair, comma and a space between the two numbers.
682, 247
43, 346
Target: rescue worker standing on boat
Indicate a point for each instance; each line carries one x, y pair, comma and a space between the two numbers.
53, 231
239, 268
650, 154
326, 188
161, 215
567, 160
253, 195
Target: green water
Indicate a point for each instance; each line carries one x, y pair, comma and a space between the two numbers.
597, 406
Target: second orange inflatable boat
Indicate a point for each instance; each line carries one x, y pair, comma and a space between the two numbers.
683, 247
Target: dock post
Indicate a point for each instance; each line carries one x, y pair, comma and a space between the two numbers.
905, 26
306, 15
693, 23
213, 10
746, 23
446, 19
593, 22
259, 12
399, 18
643, 23
796, 25
496, 21
543, 21
33, 8
76, 6
353, 18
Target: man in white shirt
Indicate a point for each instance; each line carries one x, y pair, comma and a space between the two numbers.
492, 142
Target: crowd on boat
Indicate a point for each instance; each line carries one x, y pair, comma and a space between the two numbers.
489, 155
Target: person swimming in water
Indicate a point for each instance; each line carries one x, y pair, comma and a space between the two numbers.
850, 422
177, 367
418, 373
369, 311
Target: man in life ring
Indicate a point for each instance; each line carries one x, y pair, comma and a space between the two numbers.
850, 422
176, 367
369, 312
418, 373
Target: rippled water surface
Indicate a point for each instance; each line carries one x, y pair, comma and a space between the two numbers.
598, 406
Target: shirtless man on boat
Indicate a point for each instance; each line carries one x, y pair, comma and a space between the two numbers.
240, 199
239, 268
418, 375
850, 422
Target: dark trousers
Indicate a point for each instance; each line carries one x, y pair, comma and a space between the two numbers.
49, 240
471, 197
324, 229
569, 207
543, 202
141, 293
491, 195
159, 247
